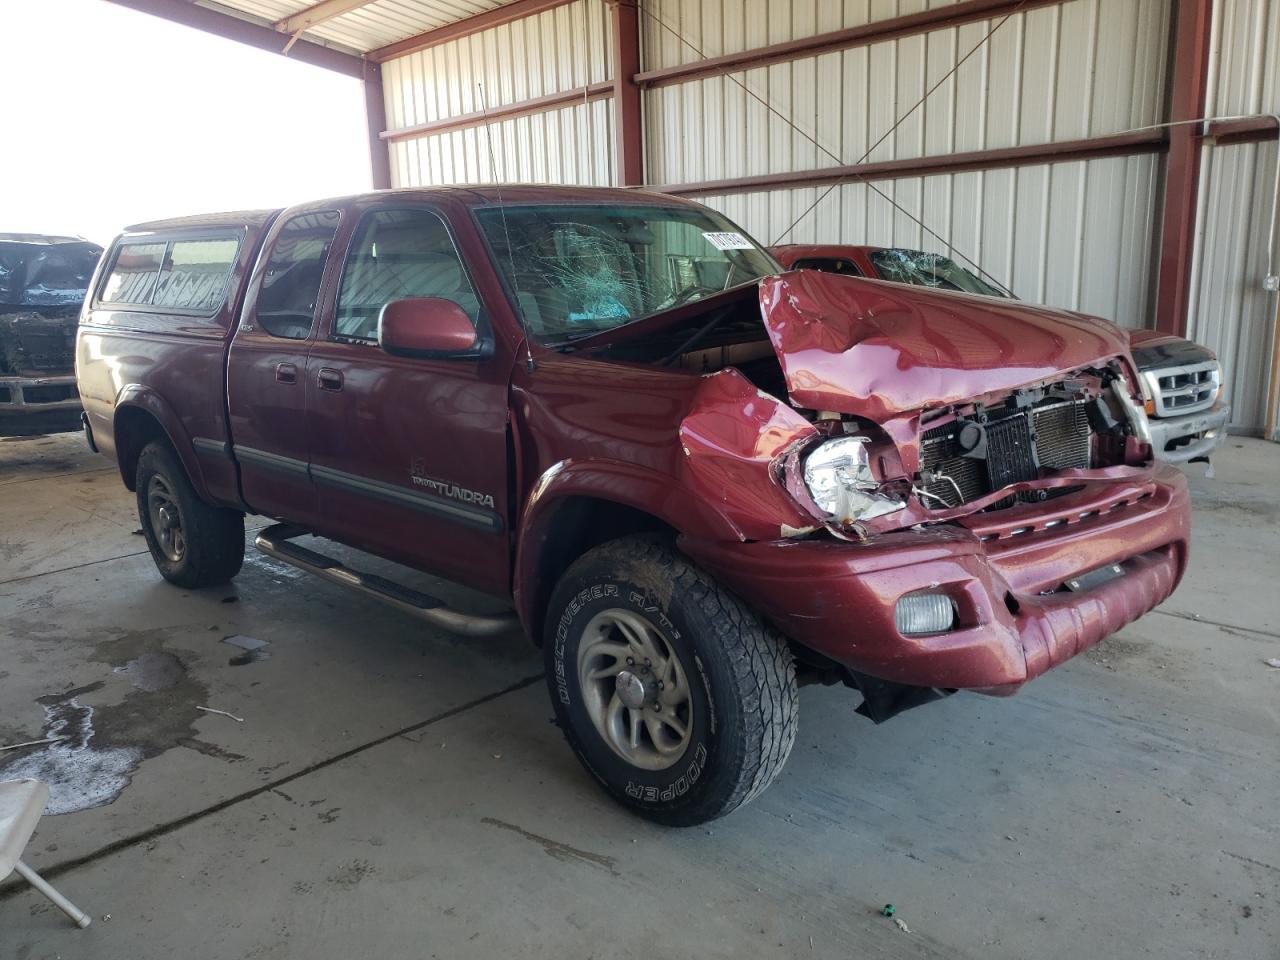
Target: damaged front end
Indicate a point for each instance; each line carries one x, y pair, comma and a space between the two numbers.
43, 282
962, 492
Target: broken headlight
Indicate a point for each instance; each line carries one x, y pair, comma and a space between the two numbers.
838, 476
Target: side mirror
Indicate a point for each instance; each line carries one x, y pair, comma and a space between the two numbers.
426, 327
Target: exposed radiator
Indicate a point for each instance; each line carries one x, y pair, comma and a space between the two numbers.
1053, 436
1062, 435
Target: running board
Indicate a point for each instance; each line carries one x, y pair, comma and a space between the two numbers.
274, 542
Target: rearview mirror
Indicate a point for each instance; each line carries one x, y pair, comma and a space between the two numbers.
426, 327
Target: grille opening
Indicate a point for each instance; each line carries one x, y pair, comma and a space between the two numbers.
1019, 445
1011, 603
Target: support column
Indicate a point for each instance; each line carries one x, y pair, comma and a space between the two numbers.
628, 126
1189, 78
375, 112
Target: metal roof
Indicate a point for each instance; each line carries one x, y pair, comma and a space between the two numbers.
354, 26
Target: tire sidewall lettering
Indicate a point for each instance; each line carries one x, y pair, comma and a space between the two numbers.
675, 782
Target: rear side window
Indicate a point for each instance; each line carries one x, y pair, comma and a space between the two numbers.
291, 284
195, 273
399, 254
134, 272
188, 276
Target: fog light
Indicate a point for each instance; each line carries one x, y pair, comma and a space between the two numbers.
919, 613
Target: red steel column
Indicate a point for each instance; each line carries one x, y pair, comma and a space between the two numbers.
375, 112
1182, 166
629, 131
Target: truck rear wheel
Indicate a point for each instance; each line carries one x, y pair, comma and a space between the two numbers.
192, 543
672, 693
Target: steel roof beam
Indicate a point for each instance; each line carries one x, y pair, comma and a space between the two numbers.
244, 31
317, 13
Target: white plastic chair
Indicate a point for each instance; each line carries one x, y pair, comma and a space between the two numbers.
21, 806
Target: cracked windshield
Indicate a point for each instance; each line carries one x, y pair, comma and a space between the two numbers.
577, 270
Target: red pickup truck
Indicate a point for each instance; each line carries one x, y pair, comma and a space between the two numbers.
699, 480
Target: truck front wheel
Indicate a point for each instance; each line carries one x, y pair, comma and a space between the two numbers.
672, 693
192, 543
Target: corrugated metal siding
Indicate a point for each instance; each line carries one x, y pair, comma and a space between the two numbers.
1231, 313
560, 50
1084, 68
1075, 235
1247, 42
720, 27
569, 145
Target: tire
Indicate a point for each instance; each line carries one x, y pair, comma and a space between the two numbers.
731, 689
209, 544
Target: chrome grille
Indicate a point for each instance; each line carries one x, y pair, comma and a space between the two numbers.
1187, 389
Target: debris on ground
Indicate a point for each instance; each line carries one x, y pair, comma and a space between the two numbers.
889, 910
221, 713
901, 925
1273, 662
32, 743
253, 649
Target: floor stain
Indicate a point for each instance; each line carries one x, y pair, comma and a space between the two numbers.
81, 774
351, 873
211, 750
153, 671
106, 743
556, 849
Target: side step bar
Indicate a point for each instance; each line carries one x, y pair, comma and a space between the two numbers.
274, 542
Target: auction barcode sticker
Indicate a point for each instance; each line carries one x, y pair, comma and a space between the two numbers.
729, 241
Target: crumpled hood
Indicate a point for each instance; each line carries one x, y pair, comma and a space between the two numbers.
878, 350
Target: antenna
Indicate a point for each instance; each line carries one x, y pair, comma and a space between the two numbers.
502, 209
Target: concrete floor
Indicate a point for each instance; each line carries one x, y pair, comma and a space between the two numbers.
396, 793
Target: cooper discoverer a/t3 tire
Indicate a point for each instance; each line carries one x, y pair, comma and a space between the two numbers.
673, 694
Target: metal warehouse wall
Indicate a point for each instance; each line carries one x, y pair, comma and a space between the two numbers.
560, 50
1077, 235
1231, 312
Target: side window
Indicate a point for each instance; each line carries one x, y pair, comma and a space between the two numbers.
194, 275
291, 284
133, 273
829, 265
398, 254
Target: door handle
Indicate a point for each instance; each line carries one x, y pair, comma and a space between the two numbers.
330, 379
286, 373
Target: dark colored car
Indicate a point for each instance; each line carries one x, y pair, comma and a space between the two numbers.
698, 481
1181, 380
43, 281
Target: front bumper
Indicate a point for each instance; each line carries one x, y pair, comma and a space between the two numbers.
1005, 571
38, 394
1201, 434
